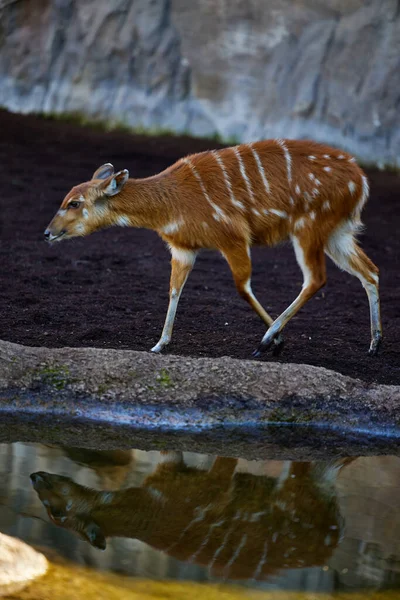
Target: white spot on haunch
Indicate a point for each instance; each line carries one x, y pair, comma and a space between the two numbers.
279, 213
123, 221
352, 187
260, 168
288, 158
299, 224
256, 516
172, 227
327, 169
326, 205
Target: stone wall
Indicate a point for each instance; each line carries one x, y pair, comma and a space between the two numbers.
328, 69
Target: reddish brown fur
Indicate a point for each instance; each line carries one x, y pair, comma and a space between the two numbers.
239, 525
206, 201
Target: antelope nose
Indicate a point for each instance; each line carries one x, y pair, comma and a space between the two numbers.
47, 234
39, 479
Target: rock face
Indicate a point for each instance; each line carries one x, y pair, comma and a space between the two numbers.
19, 565
328, 70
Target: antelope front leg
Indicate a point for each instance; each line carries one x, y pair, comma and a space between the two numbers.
181, 264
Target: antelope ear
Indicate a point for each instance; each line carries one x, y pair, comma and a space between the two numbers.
104, 171
114, 184
95, 536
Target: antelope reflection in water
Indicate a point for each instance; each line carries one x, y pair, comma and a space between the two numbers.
239, 525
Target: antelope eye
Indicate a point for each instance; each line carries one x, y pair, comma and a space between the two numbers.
74, 204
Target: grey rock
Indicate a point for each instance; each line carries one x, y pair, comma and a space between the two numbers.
323, 70
99, 398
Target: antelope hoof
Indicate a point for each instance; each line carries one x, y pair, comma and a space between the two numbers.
277, 343
158, 347
375, 345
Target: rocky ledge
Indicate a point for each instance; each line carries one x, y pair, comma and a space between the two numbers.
102, 399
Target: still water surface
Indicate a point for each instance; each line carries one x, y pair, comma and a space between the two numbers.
322, 527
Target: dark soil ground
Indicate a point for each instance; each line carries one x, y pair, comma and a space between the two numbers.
111, 289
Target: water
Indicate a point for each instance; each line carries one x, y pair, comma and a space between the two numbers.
324, 527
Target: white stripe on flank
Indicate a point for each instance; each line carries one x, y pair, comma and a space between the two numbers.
244, 174
261, 169
288, 158
227, 180
236, 554
206, 540
201, 514
218, 213
262, 562
218, 552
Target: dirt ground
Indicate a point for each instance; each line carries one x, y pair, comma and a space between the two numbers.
111, 289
